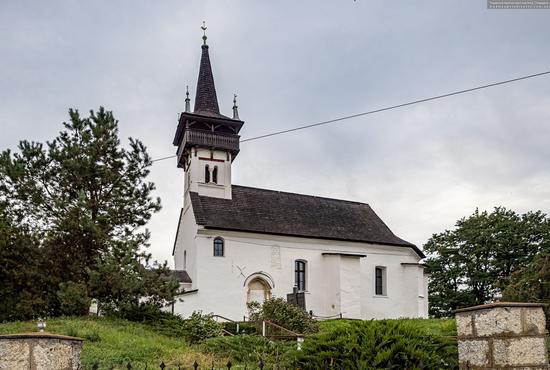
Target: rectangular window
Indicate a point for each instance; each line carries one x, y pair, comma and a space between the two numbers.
380, 280
300, 275
218, 247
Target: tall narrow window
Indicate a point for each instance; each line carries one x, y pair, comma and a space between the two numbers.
380, 280
300, 275
207, 174
215, 175
185, 260
218, 247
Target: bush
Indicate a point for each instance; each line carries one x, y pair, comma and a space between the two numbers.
282, 313
199, 327
386, 344
162, 322
247, 349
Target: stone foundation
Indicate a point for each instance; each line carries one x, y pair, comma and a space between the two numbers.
502, 336
39, 351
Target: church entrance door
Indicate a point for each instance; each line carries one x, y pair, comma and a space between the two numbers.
258, 291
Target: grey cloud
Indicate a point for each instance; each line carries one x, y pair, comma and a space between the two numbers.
421, 167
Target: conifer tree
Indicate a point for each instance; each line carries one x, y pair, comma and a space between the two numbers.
86, 198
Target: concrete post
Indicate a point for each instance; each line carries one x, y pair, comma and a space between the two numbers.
502, 336
39, 351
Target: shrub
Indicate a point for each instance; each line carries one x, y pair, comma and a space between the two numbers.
199, 327
162, 322
282, 313
387, 344
247, 349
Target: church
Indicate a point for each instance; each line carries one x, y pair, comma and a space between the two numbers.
236, 244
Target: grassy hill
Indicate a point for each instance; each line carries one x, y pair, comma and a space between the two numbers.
110, 341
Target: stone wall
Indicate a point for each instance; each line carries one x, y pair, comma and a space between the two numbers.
39, 351
502, 336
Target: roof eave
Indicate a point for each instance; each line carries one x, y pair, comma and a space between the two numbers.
402, 245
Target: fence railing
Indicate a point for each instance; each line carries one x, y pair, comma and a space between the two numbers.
196, 366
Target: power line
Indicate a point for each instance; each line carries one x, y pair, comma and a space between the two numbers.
386, 108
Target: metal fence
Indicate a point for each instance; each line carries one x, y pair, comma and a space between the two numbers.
162, 366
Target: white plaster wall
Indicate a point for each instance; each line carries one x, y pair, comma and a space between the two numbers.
329, 269
185, 241
195, 181
350, 287
221, 280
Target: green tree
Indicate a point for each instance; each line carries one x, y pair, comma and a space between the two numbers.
531, 283
21, 272
86, 199
473, 263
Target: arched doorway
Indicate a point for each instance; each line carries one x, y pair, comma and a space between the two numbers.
258, 290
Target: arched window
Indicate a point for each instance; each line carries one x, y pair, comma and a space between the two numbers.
218, 247
300, 275
207, 174
215, 175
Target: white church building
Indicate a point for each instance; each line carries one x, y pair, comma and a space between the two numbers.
236, 244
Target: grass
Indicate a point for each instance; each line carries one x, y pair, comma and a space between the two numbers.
115, 342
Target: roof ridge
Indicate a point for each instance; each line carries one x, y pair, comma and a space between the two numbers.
301, 194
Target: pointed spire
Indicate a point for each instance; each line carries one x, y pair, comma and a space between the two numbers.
206, 100
235, 107
187, 101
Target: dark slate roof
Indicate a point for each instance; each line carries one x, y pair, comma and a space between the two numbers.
182, 276
274, 212
206, 100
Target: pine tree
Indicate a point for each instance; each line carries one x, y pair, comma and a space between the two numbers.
86, 199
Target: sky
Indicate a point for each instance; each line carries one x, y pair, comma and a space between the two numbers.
421, 168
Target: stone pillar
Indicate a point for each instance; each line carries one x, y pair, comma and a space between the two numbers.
39, 351
502, 336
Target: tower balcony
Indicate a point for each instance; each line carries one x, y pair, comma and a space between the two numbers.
207, 139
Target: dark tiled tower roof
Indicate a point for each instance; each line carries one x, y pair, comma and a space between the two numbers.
206, 100
205, 127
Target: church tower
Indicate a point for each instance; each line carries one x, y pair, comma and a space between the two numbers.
207, 141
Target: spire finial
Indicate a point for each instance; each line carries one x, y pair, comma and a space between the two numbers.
235, 107
187, 100
204, 28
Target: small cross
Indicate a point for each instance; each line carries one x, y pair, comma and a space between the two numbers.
204, 28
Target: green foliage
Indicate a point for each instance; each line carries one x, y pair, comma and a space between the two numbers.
531, 283
86, 200
387, 344
282, 313
247, 349
21, 272
73, 298
474, 262
199, 327
162, 322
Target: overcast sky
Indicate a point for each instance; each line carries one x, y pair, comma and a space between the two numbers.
421, 168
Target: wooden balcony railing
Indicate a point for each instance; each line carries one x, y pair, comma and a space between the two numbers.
211, 139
